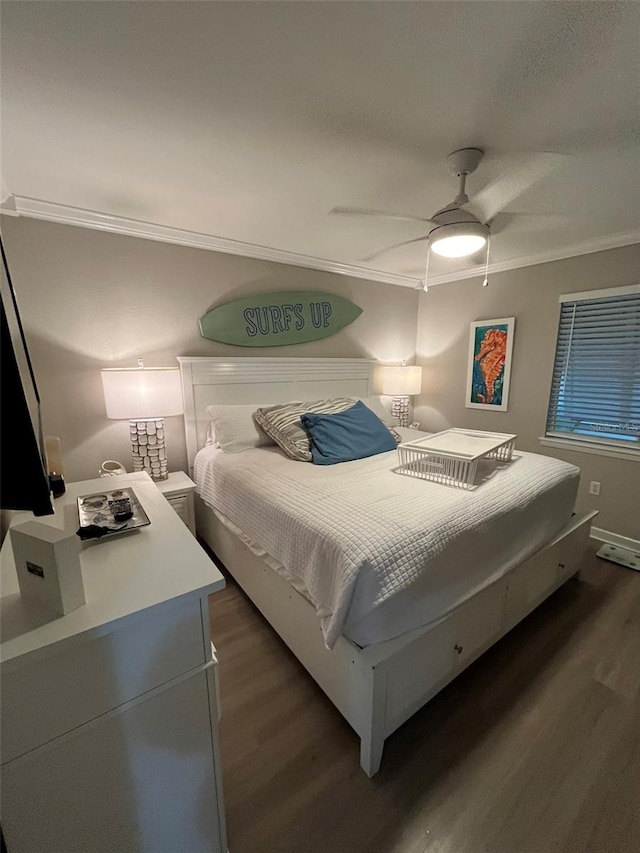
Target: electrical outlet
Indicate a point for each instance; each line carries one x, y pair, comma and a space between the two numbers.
594, 487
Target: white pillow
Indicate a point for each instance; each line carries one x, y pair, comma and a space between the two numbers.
211, 440
233, 429
378, 408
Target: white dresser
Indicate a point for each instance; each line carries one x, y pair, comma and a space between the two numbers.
109, 715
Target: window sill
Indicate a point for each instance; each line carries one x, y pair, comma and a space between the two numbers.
587, 447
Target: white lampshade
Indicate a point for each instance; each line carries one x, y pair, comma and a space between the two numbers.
401, 381
134, 393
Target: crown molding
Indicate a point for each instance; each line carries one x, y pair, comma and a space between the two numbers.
8, 205
599, 244
68, 215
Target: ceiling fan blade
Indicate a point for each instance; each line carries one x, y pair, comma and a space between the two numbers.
367, 211
501, 222
501, 192
395, 246
508, 220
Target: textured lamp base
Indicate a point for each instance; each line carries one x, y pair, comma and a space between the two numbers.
400, 410
148, 449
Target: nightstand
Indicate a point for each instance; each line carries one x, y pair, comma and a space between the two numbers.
178, 490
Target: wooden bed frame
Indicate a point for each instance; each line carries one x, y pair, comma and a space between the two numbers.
379, 687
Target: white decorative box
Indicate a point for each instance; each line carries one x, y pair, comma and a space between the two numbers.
48, 566
451, 457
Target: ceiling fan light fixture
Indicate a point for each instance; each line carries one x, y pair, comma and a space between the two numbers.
458, 239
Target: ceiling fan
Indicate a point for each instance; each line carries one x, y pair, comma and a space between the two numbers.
458, 231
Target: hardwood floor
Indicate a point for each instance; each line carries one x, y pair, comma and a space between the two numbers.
533, 749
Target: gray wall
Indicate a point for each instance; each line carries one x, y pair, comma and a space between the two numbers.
530, 295
90, 299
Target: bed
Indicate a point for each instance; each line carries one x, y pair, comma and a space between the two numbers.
317, 550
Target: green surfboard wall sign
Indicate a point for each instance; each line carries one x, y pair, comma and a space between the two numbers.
278, 319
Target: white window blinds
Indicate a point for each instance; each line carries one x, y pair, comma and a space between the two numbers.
595, 391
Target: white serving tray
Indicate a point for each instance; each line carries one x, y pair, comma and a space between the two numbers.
463, 443
451, 456
95, 509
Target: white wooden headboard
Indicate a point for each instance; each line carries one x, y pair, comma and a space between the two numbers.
263, 381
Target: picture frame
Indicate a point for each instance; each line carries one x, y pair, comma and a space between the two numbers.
489, 367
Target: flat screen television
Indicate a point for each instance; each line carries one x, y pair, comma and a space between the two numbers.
24, 481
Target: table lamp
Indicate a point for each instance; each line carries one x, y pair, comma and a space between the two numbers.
144, 396
401, 382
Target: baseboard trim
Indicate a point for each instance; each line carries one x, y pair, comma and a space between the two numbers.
615, 539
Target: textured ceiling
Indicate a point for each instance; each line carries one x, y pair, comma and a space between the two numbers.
251, 121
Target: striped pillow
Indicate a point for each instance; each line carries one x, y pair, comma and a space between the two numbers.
282, 424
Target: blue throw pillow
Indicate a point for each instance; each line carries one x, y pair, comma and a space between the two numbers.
352, 434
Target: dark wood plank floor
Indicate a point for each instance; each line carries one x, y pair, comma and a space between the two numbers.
533, 749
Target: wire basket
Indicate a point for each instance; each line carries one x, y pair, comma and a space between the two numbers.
451, 457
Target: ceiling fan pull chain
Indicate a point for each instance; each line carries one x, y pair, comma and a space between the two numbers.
426, 271
485, 283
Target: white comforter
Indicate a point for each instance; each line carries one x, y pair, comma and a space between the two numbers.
379, 553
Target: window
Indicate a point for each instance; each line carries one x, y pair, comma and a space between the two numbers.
595, 391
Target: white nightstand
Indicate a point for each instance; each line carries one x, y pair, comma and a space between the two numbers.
178, 490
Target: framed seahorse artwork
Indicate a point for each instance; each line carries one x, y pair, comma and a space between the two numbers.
490, 350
